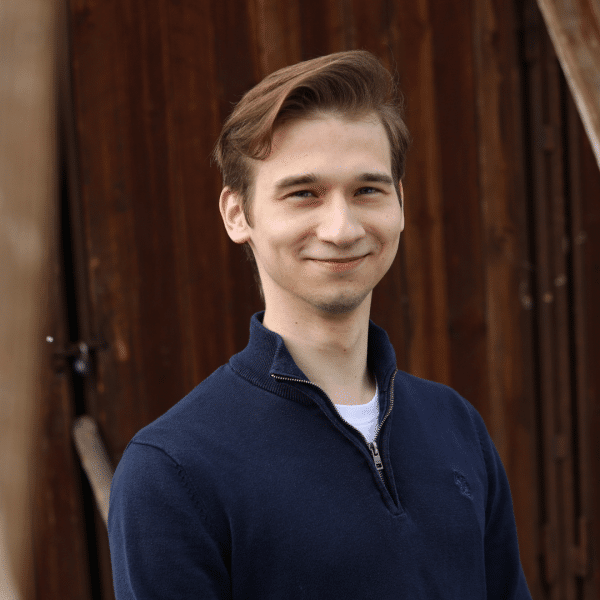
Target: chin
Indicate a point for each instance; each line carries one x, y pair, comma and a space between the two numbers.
340, 305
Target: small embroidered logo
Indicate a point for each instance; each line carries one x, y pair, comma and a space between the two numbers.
462, 484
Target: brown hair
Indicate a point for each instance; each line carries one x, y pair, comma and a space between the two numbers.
351, 83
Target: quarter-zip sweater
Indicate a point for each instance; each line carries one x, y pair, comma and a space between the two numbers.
254, 487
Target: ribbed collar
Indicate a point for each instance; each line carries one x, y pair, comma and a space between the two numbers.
266, 355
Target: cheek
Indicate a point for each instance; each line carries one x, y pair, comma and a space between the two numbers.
390, 227
289, 236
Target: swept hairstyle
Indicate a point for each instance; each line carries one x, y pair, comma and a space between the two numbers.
350, 84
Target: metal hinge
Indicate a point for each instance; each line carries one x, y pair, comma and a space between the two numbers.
77, 355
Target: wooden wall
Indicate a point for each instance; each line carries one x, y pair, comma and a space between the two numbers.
27, 234
148, 269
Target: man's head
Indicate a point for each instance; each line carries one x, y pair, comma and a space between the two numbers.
352, 86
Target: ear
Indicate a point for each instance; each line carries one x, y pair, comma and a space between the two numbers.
401, 202
230, 205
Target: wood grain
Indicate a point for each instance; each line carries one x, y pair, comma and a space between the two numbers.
574, 28
27, 241
159, 279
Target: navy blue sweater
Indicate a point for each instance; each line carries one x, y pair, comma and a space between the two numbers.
253, 487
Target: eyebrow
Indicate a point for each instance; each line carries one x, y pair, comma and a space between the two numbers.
294, 180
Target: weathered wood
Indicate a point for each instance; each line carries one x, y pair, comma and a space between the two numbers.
61, 546
94, 460
554, 294
574, 27
27, 239
583, 450
585, 188
542, 187
507, 274
160, 280
561, 254
589, 237
453, 74
411, 301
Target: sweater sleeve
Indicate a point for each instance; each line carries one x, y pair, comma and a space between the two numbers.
504, 573
161, 543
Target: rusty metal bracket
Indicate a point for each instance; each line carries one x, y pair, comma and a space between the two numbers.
77, 355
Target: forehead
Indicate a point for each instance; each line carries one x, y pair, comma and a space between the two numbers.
330, 145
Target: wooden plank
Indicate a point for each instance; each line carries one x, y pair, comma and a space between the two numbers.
154, 81
411, 301
558, 211
453, 72
118, 208
582, 446
376, 27
555, 296
538, 117
574, 27
34, 405
320, 27
61, 546
508, 284
586, 236
187, 38
275, 35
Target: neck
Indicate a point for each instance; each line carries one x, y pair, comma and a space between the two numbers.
331, 350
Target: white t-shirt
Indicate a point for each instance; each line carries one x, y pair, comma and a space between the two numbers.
362, 416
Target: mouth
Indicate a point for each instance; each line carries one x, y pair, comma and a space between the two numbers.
340, 260
341, 264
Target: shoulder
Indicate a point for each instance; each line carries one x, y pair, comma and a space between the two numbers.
198, 418
439, 404
432, 394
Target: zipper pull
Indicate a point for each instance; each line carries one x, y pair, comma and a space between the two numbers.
376, 457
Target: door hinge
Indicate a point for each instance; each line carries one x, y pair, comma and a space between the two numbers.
77, 355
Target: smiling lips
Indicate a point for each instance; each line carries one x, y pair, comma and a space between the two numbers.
341, 264
339, 260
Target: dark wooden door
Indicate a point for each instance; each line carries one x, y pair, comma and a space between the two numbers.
156, 277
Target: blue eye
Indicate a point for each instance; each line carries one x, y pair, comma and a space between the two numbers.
300, 192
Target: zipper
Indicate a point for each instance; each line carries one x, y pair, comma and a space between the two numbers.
371, 446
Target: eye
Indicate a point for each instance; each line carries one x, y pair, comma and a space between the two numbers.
372, 189
301, 193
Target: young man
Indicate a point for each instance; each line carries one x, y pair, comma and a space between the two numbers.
309, 466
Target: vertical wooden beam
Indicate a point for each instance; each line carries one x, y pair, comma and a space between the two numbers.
27, 238
456, 115
588, 255
574, 27
507, 274
555, 296
558, 208
411, 302
542, 143
62, 568
581, 550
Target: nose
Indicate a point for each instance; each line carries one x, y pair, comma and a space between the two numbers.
339, 224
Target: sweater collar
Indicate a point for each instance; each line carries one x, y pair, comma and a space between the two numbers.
266, 355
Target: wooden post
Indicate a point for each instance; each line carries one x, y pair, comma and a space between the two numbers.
27, 217
574, 28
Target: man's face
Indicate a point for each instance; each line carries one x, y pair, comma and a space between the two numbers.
323, 243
